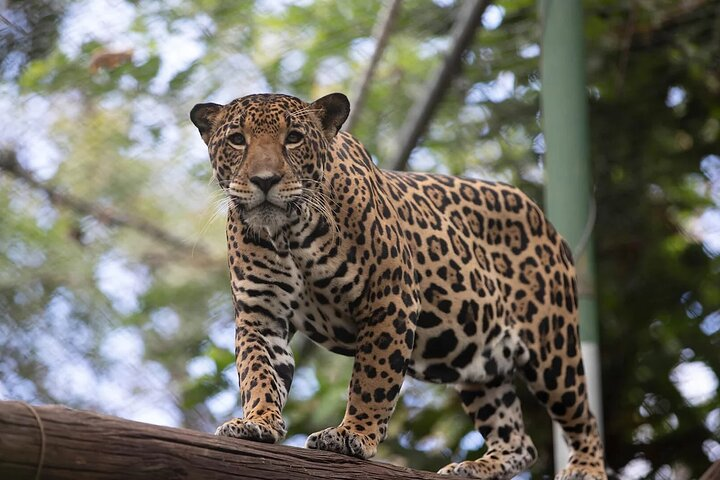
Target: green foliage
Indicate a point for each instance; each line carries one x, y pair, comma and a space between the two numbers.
136, 325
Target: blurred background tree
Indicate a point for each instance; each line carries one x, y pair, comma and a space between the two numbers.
114, 294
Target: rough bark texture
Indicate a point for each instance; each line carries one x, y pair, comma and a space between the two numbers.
82, 445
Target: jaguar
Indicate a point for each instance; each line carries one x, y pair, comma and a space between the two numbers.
449, 280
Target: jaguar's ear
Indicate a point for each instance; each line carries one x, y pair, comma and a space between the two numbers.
203, 116
332, 110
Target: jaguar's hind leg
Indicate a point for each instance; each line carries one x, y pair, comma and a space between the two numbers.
495, 410
563, 391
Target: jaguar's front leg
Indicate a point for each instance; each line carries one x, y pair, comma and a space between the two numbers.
384, 343
263, 358
265, 367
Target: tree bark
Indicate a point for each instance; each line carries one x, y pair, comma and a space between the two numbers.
78, 445
712, 473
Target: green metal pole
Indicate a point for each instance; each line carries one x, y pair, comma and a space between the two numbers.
568, 198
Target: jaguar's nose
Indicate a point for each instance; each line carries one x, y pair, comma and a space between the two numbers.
265, 183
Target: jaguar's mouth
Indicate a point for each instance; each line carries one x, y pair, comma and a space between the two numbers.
266, 208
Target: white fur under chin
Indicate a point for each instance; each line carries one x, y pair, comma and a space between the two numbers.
266, 217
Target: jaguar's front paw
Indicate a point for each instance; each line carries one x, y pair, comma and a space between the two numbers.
485, 468
343, 440
256, 429
581, 473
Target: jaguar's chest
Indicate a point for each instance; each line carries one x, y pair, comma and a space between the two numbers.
325, 301
328, 325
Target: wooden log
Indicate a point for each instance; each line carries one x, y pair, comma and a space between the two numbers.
81, 445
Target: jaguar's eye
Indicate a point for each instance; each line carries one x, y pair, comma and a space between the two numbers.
236, 139
293, 137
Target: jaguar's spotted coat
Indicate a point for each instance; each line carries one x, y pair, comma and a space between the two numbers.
446, 279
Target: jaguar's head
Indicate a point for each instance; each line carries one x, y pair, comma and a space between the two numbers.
269, 152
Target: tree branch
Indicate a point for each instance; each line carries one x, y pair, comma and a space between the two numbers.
105, 215
466, 23
83, 445
712, 473
381, 33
